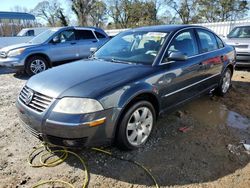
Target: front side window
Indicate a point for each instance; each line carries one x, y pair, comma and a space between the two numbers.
31, 33
207, 40
240, 32
65, 36
185, 43
133, 47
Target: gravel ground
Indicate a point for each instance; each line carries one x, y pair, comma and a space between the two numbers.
207, 155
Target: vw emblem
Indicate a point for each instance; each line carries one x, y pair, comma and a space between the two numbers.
29, 97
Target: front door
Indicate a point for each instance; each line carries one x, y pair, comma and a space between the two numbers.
182, 78
65, 48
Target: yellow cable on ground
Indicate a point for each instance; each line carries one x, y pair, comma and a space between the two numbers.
48, 153
135, 162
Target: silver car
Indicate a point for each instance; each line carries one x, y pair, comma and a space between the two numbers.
239, 37
51, 46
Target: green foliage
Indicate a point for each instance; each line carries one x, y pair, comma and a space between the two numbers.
132, 13
222, 10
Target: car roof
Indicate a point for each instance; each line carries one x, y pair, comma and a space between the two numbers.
164, 28
82, 28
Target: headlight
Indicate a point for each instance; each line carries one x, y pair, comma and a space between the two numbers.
77, 106
16, 52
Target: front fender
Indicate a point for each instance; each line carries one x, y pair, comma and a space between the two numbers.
134, 90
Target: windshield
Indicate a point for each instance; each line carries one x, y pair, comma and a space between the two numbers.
41, 38
22, 33
240, 32
133, 47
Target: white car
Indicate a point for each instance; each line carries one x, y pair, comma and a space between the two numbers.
239, 37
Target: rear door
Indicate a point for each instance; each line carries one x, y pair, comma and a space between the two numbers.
182, 79
85, 40
65, 48
211, 49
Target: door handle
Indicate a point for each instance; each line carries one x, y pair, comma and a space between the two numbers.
94, 41
72, 43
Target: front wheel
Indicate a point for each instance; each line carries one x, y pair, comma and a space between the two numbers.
35, 65
136, 125
225, 82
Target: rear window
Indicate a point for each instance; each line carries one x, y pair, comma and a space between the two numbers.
84, 35
99, 35
219, 41
207, 40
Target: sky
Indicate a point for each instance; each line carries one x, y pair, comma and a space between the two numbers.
6, 5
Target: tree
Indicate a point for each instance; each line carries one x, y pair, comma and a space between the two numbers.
99, 15
186, 10
51, 12
82, 9
131, 13
222, 10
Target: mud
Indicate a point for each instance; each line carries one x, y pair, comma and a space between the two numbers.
209, 154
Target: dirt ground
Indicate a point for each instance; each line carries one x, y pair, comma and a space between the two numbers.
209, 154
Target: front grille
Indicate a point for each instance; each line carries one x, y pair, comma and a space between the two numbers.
34, 100
3, 54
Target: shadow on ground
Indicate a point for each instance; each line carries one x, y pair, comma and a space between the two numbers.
201, 154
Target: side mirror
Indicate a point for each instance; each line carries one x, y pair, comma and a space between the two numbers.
93, 50
177, 56
56, 40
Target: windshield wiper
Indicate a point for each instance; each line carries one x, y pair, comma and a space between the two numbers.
120, 61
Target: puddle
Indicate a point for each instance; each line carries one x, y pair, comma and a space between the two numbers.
211, 113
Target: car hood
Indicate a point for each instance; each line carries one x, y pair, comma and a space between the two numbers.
16, 46
85, 78
237, 41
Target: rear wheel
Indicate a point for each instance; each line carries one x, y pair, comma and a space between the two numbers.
35, 65
225, 82
136, 125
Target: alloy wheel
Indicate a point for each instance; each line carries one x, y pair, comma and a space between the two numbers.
226, 81
37, 66
139, 126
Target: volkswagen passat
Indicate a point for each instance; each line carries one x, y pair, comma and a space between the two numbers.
117, 94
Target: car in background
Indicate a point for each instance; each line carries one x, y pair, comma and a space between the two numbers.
25, 35
117, 95
51, 46
239, 37
28, 32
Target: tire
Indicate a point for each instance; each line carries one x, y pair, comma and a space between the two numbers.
225, 83
35, 65
134, 129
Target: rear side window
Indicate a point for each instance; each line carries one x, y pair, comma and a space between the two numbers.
185, 43
99, 35
84, 35
219, 42
207, 40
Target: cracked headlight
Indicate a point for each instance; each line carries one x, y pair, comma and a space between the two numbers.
70, 105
